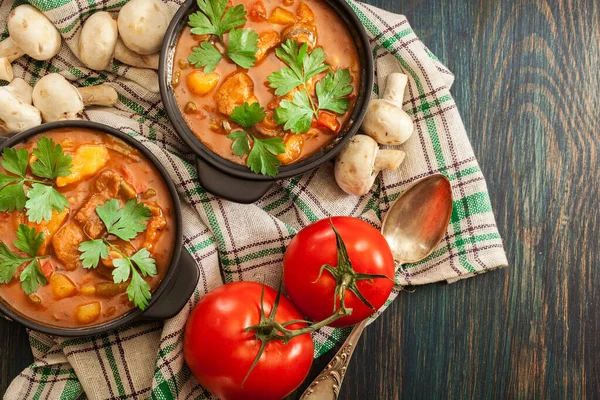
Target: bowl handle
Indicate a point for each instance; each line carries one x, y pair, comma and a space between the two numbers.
229, 187
176, 296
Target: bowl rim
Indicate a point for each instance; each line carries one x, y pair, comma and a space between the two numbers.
170, 275
345, 12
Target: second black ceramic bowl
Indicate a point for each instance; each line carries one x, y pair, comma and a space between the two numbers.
236, 182
180, 280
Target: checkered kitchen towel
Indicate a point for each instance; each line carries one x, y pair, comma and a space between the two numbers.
145, 359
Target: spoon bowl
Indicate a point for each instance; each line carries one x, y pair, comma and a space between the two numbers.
417, 221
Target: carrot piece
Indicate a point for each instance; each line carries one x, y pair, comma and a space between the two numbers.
329, 121
304, 13
258, 12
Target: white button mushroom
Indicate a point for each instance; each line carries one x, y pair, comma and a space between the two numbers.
58, 100
16, 112
98, 40
360, 161
130, 57
9, 52
33, 32
142, 25
385, 120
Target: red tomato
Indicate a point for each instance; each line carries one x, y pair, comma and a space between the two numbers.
315, 246
220, 353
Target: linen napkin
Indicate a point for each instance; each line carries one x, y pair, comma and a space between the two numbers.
247, 242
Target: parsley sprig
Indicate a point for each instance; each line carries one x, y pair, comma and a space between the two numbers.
214, 18
41, 198
125, 223
29, 242
297, 114
262, 155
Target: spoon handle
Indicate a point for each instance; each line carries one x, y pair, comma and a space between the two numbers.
327, 385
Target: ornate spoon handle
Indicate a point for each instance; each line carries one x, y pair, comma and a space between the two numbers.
327, 385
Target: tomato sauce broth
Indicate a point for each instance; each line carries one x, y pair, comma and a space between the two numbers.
137, 171
333, 38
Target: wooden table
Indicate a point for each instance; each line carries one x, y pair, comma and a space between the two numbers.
527, 84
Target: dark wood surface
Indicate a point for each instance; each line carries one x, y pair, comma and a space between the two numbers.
527, 84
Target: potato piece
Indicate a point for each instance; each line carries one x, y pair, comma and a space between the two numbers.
87, 313
88, 290
61, 286
88, 160
236, 90
293, 149
266, 41
49, 228
200, 83
281, 16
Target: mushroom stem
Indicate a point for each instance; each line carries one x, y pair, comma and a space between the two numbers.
388, 159
130, 57
395, 87
100, 95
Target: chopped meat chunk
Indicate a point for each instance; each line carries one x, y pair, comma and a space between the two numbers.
156, 224
66, 243
49, 228
266, 41
235, 91
107, 187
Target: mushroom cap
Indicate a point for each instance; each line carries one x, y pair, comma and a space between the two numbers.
21, 89
354, 165
98, 40
6, 71
387, 122
56, 98
16, 115
142, 25
33, 32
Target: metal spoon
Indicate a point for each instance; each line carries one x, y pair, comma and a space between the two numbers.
414, 226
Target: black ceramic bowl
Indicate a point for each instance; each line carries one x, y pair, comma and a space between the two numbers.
236, 182
180, 280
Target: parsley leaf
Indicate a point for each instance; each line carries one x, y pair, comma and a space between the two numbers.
242, 47
12, 193
332, 89
15, 161
32, 277
301, 66
9, 262
144, 262
28, 240
215, 18
125, 223
262, 156
248, 115
297, 114
206, 56
92, 251
12, 196
42, 200
240, 145
51, 161
138, 290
